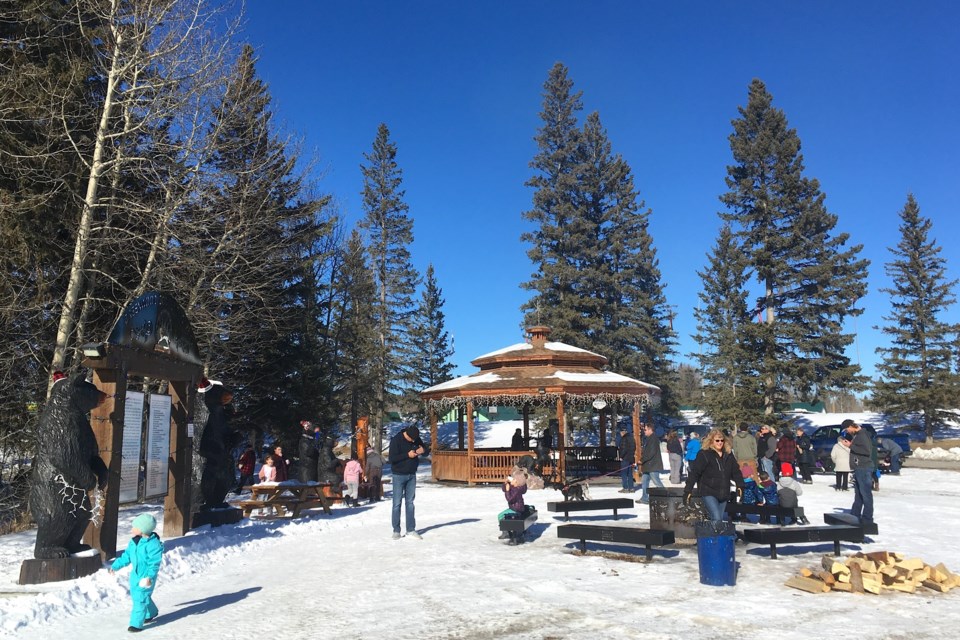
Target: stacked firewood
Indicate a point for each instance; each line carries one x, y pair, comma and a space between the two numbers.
875, 572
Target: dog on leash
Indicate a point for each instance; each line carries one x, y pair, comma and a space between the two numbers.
575, 491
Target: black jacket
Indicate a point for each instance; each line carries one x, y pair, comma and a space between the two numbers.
627, 450
713, 474
400, 448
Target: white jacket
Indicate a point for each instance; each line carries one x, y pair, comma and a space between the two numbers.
841, 457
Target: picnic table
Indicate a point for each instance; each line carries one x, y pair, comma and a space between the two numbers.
286, 498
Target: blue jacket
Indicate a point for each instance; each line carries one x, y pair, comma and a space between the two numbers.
769, 491
144, 554
751, 492
693, 448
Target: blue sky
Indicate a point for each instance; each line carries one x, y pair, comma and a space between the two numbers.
871, 87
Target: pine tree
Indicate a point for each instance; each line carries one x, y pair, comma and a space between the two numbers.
917, 373
431, 361
389, 232
555, 181
732, 391
810, 281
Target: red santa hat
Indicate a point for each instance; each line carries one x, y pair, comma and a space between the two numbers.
205, 385
58, 376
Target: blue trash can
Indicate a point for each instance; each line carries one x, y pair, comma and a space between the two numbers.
715, 552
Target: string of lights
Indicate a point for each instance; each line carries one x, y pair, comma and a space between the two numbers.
539, 400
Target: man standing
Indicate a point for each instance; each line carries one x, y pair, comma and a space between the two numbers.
862, 465
627, 450
767, 447
405, 450
651, 463
805, 457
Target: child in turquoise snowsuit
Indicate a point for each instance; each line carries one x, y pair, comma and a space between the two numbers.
144, 554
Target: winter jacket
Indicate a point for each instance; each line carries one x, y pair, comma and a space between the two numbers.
693, 448
787, 498
247, 462
650, 459
675, 447
891, 447
352, 471
805, 450
769, 447
861, 451
144, 554
744, 446
268, 473
514, 496
787, 449
400, 448
374, 465
840, 455
627, 449
713, 474
751, 492
789, 482
769, 490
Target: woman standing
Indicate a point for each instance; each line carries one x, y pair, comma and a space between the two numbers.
840, 454
713, 471
675, 453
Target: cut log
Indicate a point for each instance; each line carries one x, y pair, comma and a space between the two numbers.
911, 564
807, 584
841, 586
856, 578
880, 557
872, 586
905, 587
827, 578
806, 573
936, 586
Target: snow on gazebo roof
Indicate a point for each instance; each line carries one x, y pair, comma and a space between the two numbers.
539, 373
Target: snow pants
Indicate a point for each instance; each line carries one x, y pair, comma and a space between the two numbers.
143, 605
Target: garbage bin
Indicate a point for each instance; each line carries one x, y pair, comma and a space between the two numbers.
715, 552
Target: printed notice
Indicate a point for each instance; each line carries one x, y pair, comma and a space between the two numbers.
130, 454
158, 445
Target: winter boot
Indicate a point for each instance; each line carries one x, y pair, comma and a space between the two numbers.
504, 535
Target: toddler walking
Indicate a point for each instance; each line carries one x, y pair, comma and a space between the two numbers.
143, 554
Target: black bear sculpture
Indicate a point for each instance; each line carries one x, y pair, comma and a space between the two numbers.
216, 444
327, 462
66, 467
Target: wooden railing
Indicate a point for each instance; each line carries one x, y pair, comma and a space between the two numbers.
493, 465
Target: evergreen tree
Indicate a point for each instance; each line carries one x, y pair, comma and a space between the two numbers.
431, 360
353, 340
389, 232
810, 281
916, 371
732, 391
556, 167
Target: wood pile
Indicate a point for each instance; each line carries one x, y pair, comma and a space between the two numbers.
877, 572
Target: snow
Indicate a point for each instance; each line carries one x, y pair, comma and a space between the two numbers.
463, 381
341, 576
601, 377
523, 346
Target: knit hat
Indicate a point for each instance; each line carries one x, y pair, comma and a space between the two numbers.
145, 523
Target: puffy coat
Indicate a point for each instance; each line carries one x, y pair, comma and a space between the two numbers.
514, 496
787, 449
352, 471
144, 554
713, 473
693, 448
841, 458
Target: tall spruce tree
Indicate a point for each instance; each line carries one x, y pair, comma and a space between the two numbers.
555, 180
431, 361
389, 231
811, 282
917, 373
732, 391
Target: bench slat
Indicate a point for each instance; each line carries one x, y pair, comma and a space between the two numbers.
777, 535
566, 506
606, 533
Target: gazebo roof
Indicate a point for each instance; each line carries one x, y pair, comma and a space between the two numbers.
540, 372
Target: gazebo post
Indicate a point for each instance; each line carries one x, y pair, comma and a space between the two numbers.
460, 427
470, 442
432, 417
561, 440
526, 424
636, 429
603, 432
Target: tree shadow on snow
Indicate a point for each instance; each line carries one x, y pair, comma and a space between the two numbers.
204, 605
448, 524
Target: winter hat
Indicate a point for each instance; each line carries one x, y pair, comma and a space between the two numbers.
306, 424
145, 523
205, 385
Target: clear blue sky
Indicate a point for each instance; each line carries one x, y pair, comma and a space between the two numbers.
871, 87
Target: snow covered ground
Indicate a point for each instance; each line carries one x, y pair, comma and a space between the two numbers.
341, 576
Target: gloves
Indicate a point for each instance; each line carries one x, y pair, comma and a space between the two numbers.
686, 498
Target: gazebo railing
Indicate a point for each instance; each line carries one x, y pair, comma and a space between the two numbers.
493, 466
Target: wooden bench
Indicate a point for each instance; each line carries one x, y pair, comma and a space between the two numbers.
517, 524
777, 535
766, 512
566, 506
869, 528
609, 533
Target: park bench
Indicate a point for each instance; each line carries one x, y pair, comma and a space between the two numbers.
566, 506
611, 533
286, 498
869, 528
798, 535
519, 522
766, 512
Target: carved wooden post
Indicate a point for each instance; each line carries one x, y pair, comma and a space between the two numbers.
526, 424
176, 505
434, 439
107, 423
636, 431
561, 440
460, 428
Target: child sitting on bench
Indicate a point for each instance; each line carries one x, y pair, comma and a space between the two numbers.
513, 490
788, 493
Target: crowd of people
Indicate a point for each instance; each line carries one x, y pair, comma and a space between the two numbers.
766, 467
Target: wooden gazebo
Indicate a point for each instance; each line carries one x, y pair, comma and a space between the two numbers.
534, 374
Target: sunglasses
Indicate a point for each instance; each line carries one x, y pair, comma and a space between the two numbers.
718, 439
